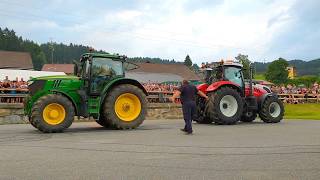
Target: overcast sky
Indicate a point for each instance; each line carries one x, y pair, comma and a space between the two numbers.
207, 30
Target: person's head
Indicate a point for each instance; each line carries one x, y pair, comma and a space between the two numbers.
185, 82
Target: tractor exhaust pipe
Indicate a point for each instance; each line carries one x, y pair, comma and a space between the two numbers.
250, 80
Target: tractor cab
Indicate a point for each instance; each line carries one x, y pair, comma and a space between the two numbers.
98, 69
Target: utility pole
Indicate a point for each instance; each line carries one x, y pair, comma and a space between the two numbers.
52, 49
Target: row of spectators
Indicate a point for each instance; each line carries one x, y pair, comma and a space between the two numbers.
292, 91
6, 84
13, 87
159, 87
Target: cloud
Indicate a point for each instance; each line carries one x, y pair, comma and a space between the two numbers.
206, 30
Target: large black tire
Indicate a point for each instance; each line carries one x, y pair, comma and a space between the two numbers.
248, 116
201, 117
103, 121
109, 108
223, 114
272, 110
37, 116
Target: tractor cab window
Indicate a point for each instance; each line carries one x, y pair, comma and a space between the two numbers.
102, 71
234, 75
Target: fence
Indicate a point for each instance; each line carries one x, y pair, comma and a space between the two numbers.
301, 98
11, 95
153, 97
163, 97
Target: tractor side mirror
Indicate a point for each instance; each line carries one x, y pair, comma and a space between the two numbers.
76, 69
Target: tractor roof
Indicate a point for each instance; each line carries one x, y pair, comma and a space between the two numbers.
105, 55
224, 63
231, 63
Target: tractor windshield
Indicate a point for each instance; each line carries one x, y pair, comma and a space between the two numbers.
106, 67
103, 70
234, 75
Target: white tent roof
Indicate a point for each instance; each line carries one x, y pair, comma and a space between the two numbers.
25, 74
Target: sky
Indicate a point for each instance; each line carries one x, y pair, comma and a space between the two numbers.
207, 30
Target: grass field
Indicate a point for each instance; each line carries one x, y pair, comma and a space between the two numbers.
302, 111
259, 77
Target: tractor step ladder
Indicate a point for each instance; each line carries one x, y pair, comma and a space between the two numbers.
94, 104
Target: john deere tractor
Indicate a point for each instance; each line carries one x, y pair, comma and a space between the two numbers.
232, 100
98, 89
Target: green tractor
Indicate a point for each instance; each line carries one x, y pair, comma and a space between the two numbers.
98, 89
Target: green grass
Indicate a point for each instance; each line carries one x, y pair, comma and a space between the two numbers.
302, 111
259, 77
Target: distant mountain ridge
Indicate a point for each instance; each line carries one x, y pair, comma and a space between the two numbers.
303, 67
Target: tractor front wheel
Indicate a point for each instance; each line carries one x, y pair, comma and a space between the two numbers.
52, 113
125, 107
272, 110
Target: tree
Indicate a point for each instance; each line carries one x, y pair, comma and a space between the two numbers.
195, 68
277, 71
188, 61
244, 60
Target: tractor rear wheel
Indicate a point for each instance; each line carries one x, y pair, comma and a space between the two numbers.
225, 106
272, 110
102, 121
125, 107
248, 116
52, 113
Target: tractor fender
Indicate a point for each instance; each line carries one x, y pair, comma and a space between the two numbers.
69, 97
117, 82
202, 87
262, 98
219, 84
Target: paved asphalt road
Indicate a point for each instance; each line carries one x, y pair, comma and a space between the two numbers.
158, 150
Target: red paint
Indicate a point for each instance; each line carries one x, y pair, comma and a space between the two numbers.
202, 87
216, 85
257, 92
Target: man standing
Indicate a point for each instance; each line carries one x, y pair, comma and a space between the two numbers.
187, 93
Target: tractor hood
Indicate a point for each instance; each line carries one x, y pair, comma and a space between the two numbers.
59, 77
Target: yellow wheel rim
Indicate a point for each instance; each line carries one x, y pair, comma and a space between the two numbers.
54, 114
127, 107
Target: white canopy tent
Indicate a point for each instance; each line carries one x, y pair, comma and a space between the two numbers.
25, 74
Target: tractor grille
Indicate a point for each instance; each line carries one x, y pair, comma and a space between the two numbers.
56, 83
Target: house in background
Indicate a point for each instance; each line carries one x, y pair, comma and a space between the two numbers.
66, 68
15, 60
160, 73
292, 72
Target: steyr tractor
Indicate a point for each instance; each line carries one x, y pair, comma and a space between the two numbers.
232, 100
98, 89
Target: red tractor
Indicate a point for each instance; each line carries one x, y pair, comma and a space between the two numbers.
232, 100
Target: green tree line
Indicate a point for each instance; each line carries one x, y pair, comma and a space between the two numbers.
57, 53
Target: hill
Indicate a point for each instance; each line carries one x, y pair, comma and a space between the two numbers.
311, 67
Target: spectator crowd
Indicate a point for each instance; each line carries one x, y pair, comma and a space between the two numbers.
160, 87
10, 88
293, 92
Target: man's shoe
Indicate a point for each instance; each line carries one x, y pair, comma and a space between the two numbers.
183, 130
188, 133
